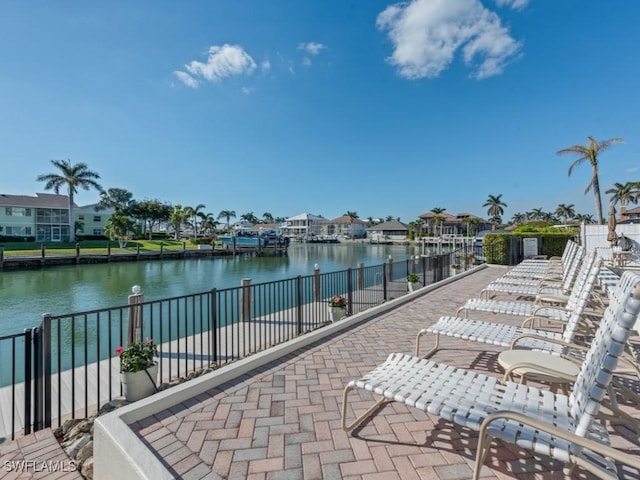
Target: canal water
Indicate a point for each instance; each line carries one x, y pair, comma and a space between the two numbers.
26, 295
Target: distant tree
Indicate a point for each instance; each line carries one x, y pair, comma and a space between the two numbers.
583, 217
117, 198
249, 217
152, 213
624, 193
209, 223
536, 214
389, 218
78, 226
589, 153
227, 215
120, 227
350, 214
437, 219
518, 218
565, 212
178, 217
495, 204
70, 177
267, 217
472, 225
194, 213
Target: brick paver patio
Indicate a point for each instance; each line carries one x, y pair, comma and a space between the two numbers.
283, 421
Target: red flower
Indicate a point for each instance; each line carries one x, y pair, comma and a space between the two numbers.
119, 350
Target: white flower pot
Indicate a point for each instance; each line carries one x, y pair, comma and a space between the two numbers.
413, 286
336, 313
137, 385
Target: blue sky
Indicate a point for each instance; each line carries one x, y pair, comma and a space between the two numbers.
292, 106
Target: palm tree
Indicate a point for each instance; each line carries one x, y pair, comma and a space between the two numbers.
565, 211
495, 204
590, 153
437, 219
249, 217
583, 217
267, 217
227, 214
208, 222
350, 214
178, 216
195, 213
624, 193
72, 177
518, 218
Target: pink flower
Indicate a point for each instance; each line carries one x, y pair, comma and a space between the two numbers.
119, 350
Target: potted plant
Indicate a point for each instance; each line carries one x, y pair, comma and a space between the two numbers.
455, 268
413, 281
138, 370
337, 307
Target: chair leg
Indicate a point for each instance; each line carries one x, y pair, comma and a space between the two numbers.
361, 418
433, 350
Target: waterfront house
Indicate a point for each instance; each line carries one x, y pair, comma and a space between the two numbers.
388, 232
303, 225
446, 224
45, 217
347, 227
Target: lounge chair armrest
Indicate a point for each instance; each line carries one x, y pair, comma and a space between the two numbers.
544, 297
632, 461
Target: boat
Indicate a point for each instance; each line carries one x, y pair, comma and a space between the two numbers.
252, 239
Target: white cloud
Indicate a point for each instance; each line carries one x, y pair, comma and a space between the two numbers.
632, 169
515, 4
312, 48
265, 65
426, 34
222, 62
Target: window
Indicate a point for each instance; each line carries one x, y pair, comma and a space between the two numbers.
96, 218
17, 212
18, 231
97, 231
80, 217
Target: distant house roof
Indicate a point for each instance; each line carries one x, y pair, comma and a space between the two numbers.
635, 210
347, 219
41, 200
388, 226
264, 226
305, 216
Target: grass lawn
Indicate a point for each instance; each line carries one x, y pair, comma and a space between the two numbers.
91, 247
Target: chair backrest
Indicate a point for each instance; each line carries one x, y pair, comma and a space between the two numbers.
569, 253
586, 265
569, 275
607, 346
581, 298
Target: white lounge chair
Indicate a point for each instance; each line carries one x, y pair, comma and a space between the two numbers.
583, 287
558, 426
531, 290
504, 334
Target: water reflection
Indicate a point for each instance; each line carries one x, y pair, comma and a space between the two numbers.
26, 295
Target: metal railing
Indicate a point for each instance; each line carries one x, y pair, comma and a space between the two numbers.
67, 368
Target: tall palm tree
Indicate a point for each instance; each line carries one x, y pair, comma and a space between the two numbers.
227, 215
583, 217
495, 210
350, 214
589, 153
72, 177
208, 222
537, 214
565, 211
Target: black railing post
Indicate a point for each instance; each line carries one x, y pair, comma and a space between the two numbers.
424, 270
38, 379
46, 356
27, 381
384, 282
213, 326
299, 303
349, 292
316, 283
